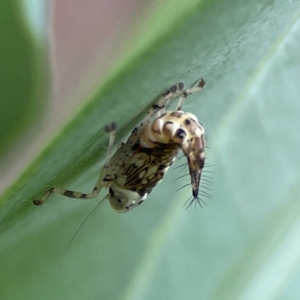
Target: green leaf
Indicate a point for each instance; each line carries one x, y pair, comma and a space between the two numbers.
244, 244
21, 83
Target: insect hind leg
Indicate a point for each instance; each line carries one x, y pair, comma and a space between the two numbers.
66, 193
111, 129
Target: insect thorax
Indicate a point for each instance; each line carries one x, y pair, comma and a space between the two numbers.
141, 163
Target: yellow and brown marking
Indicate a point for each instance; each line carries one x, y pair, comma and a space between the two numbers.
140, 164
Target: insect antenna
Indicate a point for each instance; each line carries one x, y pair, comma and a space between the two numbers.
81, 225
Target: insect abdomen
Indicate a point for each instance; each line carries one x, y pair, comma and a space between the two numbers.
179, 129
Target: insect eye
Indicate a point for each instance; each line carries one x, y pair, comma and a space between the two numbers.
187, 122
119, 201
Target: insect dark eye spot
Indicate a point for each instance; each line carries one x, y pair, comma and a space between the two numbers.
187, 122
111, 191
180, 133
119, 201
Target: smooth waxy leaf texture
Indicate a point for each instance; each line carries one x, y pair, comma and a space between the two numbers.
244, 244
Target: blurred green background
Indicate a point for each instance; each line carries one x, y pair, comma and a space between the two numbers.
69, 68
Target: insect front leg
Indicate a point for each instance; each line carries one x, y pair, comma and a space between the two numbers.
157, 108
160, 106
111, 129
170, 93
190, 91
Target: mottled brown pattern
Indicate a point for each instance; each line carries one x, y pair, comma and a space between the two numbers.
140, 164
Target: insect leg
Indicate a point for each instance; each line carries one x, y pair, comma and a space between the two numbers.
156, 108
188, 92
111, 129
170, 93
67, 193
160, 105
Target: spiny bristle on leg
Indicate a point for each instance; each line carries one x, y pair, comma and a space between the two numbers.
182, 176
188, 184
183, 165
194, 200
204, 194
